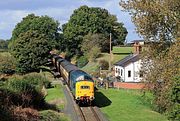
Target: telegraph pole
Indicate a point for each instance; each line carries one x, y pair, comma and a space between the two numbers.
110, 52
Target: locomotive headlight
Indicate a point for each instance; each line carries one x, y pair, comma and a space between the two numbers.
78, 98
91, 98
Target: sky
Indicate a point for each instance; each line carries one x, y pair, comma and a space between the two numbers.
12, 12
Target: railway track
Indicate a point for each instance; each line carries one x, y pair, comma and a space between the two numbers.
89, 114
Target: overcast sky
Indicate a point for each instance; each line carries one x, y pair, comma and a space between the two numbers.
12, 12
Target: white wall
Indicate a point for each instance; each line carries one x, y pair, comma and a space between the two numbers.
134, 68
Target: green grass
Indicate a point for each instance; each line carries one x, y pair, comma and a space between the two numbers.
93, 66
56, 93
126, 105
120, 50
49, 115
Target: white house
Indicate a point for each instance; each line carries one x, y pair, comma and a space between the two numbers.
129, 68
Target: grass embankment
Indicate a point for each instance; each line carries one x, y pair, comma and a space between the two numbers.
94, 66
55, 96
118, 53
126, 105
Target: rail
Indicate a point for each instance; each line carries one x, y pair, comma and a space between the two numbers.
89, 114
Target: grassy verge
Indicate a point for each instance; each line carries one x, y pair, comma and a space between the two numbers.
49, 115
55, 96
126, 105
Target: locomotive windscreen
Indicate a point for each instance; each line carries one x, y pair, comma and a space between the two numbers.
79, 75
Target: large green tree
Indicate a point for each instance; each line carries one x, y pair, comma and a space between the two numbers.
31, 41
86, 20
158, 21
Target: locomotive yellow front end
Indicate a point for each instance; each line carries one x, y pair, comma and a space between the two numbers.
84, 92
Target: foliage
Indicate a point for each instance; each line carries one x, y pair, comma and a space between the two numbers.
162, 70
3, 44
38, 79
158, 21
25, 91
155, 19
27, 94
31, 49
92, 40
31, 41
174, 112
86, 20
93, 53
104, 64
82, 61
43, 24
7, 63
96, 43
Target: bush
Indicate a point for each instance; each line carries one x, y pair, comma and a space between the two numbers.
7, 63
37, 79
174, 112
28, 94
82, 61
104, 64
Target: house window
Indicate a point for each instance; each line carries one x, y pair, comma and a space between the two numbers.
129, 73
140, 74
121, 72
118, 71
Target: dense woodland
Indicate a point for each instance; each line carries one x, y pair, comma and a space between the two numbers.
35, 36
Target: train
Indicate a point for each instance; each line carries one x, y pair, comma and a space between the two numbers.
80, 83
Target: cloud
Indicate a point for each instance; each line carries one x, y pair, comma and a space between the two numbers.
12, 12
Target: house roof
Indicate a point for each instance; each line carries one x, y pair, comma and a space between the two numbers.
127, 60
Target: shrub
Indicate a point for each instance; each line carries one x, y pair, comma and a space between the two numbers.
174, 112
28, 94
37, 79
93, 53
7, 63
82, 61
104, 64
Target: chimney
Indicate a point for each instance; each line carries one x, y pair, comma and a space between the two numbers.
137, 48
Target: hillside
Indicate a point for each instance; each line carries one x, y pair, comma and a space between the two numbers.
118, 53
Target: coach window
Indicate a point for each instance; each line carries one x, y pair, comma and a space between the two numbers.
129, 73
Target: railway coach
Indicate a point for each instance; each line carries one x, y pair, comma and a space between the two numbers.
80, 83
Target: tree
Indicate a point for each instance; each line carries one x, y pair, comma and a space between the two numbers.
155, 19
97, 43
31, 41
43, 24
158, 21
86, 20
95, 40
31, 49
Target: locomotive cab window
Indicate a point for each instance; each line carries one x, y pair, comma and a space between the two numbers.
85, 87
